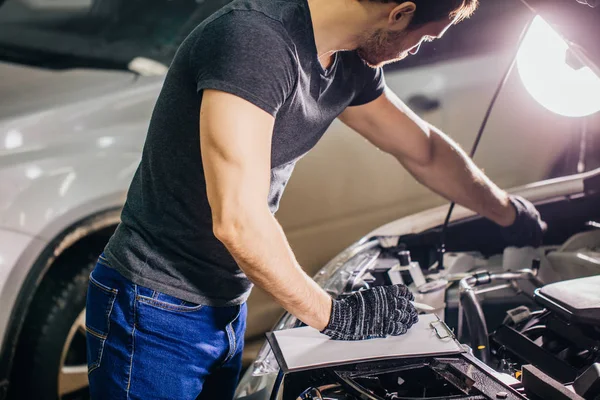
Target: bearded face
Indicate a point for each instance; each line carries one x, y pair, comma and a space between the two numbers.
383, 47
386, 46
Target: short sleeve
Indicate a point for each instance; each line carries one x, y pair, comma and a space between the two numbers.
373, 87
247, 54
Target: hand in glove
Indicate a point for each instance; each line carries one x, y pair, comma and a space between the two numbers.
528, 228
374, 313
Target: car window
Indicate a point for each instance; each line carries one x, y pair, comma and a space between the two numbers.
495, 26
100, 33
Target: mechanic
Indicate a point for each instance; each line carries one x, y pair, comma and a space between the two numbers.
251, 90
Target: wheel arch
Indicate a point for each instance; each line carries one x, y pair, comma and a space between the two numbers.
88, 232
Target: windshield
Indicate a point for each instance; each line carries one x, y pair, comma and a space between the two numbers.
97, 33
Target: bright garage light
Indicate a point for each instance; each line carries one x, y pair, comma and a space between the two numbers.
550, 80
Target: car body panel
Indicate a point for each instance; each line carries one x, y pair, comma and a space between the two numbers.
539, 191
68, 151
79, 157
32, 89
18, 252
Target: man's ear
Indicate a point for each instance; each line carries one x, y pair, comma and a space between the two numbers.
401, 15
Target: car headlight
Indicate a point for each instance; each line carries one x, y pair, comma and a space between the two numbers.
335, 277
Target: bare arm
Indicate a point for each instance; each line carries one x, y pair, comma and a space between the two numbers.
235, 141
429, 155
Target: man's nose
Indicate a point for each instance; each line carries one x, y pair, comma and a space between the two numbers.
415, 49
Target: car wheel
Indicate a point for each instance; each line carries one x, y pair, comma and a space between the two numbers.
50, 361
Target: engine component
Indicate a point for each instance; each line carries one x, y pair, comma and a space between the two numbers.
588, 383
471, 309
310, 394
458, 377
434, 294
515, 349
563, 338
395, 273
516, 257
577, 257
416, 274
539, 385
519, 314
326, 392
459, 263
576, 301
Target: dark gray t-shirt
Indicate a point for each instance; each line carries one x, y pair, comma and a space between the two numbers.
260, 50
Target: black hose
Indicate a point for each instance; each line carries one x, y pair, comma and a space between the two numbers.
476, 324
534, 330
472, 311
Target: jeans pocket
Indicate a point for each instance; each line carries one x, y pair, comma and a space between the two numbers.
164, 301
100, 301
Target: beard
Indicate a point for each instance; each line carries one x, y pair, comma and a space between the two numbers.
381, 48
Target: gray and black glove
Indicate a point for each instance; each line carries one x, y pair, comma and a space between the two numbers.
374, 313
528, 228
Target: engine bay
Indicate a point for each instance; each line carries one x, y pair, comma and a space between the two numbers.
522, 318
529, 316
458, 377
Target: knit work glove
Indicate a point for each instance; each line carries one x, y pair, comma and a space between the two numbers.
374, 313
528, 228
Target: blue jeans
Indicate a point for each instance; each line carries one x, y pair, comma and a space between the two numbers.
142, 344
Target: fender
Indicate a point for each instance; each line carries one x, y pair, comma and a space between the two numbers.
38, 270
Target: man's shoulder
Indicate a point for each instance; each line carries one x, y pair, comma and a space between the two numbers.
274, 15
242, 26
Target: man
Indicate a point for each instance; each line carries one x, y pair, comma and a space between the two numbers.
249, 92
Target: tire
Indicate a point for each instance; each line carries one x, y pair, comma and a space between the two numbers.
43, 350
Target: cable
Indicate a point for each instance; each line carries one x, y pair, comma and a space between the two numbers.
442, 248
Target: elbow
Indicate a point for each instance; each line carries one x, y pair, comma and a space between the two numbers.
224, 233
234, 226
226, 228
237, 217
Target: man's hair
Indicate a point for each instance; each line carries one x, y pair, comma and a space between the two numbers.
436, 10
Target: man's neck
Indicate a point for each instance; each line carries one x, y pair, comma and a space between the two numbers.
338, 25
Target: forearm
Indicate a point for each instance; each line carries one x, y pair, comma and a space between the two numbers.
453, 175
259, 246
429, 155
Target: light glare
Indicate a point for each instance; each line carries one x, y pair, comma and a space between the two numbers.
105, 141
33, 172
13, 139
550, 80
